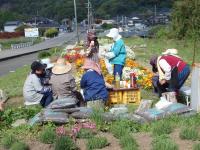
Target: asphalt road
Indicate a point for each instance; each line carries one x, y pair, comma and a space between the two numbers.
10, 65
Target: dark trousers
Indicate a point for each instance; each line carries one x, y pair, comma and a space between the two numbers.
174, 84
118, 69
46, 99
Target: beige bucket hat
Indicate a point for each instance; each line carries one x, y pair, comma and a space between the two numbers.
61, 67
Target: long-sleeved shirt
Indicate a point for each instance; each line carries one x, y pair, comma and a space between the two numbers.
119, 51
93, 86
31, 89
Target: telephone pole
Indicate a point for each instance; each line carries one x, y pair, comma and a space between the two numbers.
76, 22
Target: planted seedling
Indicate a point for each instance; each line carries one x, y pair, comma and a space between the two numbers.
189, 133
65, 143
162, 127
163, 142
48, 136
19, 146
86, 133
8, 140
196, 146
128, 142
97, 143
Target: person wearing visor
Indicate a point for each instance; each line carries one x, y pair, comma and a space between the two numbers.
117, 54
33, 91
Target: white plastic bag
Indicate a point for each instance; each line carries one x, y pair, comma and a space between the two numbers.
109, 66
162, 103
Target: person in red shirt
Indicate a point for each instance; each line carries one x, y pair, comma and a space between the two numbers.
172, 71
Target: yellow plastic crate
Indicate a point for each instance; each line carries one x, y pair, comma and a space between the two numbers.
115, 97
133, 96
123, 96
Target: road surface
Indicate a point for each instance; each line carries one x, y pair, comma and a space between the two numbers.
57, 41
10, 65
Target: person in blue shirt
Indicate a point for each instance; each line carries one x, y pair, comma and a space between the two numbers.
93, 85
117, 53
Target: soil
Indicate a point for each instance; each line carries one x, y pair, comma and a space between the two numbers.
15, 101
144, 140
36, 145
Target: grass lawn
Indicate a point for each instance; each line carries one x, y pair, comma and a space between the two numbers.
6, 43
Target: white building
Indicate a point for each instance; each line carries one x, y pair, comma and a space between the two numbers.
10, 26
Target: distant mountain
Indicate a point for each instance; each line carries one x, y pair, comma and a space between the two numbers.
59, 9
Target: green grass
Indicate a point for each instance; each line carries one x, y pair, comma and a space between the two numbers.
13, 83
48, 135
8, 140
128, 142
65, 143
97, 143
156, 46
19, 146
163, 142
6, 43
162, 127
189, 133
196, 146
85, 134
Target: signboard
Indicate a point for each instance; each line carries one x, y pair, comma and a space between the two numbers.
31, 32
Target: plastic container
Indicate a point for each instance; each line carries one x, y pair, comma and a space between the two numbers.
195, 87
115, 97
131, 96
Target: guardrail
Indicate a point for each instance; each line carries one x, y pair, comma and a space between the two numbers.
21, 45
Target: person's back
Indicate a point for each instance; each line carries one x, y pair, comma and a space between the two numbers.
63, 85
94, 86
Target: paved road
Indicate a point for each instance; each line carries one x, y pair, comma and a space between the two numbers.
10, 65
60, 40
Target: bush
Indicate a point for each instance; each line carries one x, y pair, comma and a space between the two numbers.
196, 146
189, 133
21, 28
106, 26
97, 143
42, 31
85, 134
19, 146
43, 55
65, 143
128, 142
48, 136
52, 32
162, 127
164, 143
8, 140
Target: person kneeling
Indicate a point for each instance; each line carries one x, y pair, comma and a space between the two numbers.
93, 85
33, 91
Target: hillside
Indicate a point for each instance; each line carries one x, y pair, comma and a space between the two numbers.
59, 9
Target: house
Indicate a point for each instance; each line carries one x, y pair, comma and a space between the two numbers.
10, 26
108, 21
41, 22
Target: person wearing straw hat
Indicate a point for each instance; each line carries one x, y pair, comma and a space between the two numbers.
172, 72
33, 91
93, 85
117, 53
62, 81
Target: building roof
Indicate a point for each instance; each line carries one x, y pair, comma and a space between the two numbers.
12, 23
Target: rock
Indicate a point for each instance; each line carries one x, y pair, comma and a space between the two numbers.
119, 110
67, 110
84, 113
19, 122
144, 105
63, 103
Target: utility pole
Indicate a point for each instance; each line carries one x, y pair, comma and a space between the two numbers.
88, 15
76, 22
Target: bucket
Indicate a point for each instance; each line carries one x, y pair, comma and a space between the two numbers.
195, 87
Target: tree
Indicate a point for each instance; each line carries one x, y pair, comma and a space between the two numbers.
185, 21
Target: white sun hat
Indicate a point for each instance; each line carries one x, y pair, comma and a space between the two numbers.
46, 61
114, 33
171, 51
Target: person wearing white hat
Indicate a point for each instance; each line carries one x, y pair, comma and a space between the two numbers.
62, 81
117, 53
